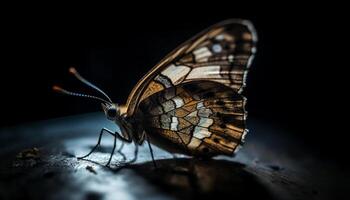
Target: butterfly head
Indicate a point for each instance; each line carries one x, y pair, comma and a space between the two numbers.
111, 111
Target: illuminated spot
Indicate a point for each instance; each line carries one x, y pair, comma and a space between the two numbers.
174, 123
204, 112
205, 72
230, 58
200, 105
220, 37
202, 54
217, 48
200, 132
178, 102
192, 114
176, 73
205, 122
194, 143
168, 106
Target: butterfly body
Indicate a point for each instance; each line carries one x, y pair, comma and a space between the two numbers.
191, 101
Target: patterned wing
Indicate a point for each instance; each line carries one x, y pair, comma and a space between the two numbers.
221, 54
204, 118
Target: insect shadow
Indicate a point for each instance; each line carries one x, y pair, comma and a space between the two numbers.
188, 178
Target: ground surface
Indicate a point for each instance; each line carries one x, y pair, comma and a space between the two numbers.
271, 165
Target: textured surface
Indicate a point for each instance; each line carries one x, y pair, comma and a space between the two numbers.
271, 165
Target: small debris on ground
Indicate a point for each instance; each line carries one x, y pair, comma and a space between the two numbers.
32, 153
90, 169
27, 158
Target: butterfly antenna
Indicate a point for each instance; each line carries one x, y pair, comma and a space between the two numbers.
63, 91
73, 71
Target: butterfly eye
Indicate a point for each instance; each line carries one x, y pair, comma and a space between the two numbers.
112, 112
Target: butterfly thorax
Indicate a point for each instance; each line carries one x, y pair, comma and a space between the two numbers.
123, 109
132, 126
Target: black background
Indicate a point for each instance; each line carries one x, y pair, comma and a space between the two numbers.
293, 82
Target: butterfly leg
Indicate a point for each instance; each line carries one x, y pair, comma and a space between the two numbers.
111, 156
120, 150
98, 142
124, 140
151, 151
127, 163
136, 152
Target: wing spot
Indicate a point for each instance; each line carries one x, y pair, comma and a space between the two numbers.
217, 48
216, 140
220, 37
222, 126
230, 58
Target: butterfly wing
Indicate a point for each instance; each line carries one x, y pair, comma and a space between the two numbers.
221, 53
203, 118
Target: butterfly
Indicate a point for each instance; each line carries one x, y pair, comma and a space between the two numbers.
191, 101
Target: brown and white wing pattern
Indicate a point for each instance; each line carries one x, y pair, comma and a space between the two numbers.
204, 118
222, 54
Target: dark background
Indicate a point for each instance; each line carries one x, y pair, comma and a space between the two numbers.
293, 82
